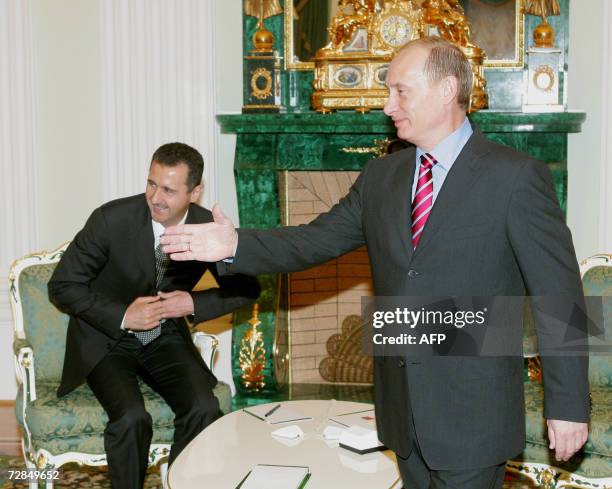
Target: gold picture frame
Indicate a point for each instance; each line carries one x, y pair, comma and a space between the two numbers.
504, 40
515, 60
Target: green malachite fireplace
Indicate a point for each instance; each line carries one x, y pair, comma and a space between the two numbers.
268, 145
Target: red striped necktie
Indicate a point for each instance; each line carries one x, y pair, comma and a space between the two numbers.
423, 198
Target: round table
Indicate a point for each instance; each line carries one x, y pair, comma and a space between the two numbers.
224, 452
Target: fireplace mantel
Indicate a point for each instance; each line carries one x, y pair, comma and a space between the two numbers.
268, 145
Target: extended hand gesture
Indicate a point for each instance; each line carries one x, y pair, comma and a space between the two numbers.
212, 241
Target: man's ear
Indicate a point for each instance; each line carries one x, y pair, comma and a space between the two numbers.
196, 192
449, 87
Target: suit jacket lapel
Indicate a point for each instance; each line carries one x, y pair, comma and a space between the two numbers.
144, 248
457, 184
401, 193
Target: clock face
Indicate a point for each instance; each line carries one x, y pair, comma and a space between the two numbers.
395, 30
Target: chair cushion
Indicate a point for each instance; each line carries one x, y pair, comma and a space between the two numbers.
76, 421
598, 446
45, 327
598, 282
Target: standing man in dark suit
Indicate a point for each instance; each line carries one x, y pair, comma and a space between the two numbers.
128, 303
458, 215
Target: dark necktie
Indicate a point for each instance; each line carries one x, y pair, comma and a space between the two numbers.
423, 198
161, 264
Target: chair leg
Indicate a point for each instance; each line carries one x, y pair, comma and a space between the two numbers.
163, 474
33, 484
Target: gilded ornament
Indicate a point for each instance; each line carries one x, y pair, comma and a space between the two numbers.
449, 18
41, 461
379, 149
261, 93
346, 22
543, 34
262, 8
544, 78
547, 479
365, 35
263, 39
252, 357
534, 369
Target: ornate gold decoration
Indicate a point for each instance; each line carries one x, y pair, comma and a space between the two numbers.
544, 73
449, 18
379, 149
41, 461
258, 92
252, 357
345, 24
262, 8
263, 39
543, 34
350, 71
534, 369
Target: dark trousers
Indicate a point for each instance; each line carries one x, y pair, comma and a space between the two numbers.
171, 368
417, 475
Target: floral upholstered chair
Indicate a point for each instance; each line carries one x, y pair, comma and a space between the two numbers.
592, 467
70, 429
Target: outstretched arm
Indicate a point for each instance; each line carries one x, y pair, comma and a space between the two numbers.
283, 249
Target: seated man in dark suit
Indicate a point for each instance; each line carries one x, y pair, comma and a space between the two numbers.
128, 303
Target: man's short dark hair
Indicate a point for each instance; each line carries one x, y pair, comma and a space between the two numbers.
173, 154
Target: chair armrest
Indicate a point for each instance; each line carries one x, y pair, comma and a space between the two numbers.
207, 345
24, 368
19, 344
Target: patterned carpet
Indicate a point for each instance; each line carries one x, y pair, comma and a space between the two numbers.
75, 477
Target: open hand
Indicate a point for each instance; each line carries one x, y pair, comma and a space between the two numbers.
211, 242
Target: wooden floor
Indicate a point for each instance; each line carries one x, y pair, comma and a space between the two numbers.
9, 433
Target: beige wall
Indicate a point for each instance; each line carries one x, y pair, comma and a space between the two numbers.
67, 92
584, 149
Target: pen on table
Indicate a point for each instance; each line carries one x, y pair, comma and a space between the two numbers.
271, 411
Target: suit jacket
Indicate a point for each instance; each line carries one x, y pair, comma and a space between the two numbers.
111, 262
496, 229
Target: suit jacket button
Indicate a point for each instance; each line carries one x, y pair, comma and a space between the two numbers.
401, 363
109, 346
412, 273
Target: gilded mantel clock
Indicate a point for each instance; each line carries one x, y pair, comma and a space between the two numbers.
350, 71
394, 28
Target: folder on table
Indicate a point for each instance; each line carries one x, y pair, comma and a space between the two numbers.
275, 477
278, 414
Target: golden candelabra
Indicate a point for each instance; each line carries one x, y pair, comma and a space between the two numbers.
252, 357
